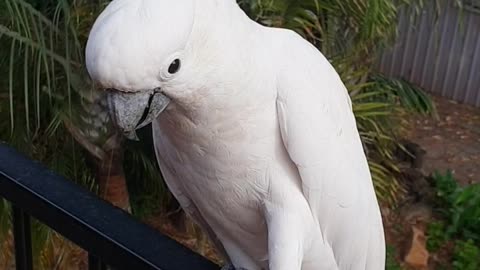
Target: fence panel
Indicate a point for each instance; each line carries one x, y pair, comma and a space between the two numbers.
439, 50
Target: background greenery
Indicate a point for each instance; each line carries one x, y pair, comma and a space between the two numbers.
46, 98
458, 221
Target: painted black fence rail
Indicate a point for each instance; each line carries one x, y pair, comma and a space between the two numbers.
110, 235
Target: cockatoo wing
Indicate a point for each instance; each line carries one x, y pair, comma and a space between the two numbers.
319, 131
187, 205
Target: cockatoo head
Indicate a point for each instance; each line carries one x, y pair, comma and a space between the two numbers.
136, 51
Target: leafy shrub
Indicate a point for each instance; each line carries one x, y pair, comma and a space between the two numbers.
466, 255
409, 96
460, 205
391, 263
436, 235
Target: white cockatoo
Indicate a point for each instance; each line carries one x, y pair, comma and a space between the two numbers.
257, 139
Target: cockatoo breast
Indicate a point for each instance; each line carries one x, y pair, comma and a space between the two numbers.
223, 141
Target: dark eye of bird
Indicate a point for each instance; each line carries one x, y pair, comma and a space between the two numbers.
174, 66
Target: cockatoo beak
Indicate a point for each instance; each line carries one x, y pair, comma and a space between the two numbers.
132, 111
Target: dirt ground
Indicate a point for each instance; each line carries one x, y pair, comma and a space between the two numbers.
452, 141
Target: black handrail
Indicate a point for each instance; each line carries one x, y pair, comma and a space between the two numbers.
110, 235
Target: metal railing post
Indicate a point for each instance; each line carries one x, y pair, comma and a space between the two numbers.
23, 239
95, 264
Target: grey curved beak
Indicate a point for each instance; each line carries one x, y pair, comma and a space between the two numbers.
132, 111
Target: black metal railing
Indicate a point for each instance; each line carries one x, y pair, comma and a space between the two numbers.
108, 234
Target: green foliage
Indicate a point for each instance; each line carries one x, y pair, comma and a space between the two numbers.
373, 117
45, 97
406, 94
466, 255
40, 236
460, 205
338, 27
391, 262
436, 236
460, 208
445, 186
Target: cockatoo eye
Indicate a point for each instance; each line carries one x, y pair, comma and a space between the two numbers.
174, 66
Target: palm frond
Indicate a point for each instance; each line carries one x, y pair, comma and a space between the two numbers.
37, 41
409, 96
41, 53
